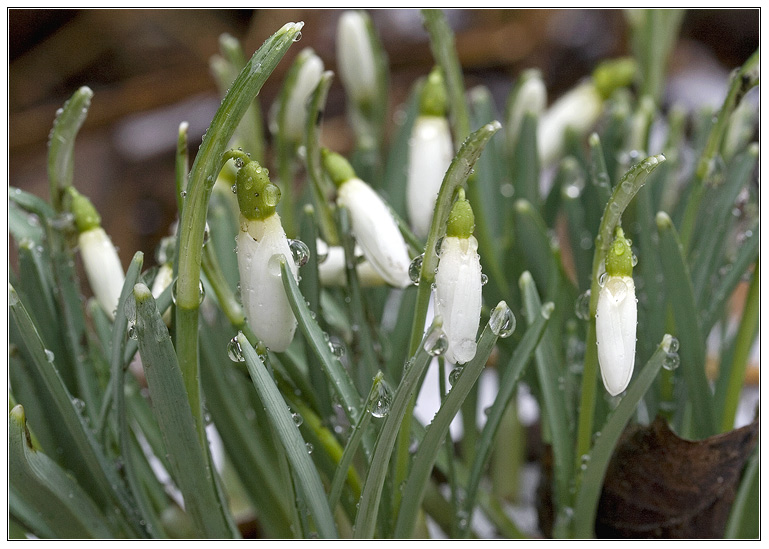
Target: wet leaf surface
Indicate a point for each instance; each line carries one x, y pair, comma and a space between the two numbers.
661, 486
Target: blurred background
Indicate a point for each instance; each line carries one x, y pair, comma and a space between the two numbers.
149, 70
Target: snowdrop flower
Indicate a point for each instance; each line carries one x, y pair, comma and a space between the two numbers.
100, 258
616, 316
355, 56
430, 153
580, 108
300, 83
332, 270
260, 242
375, 228
458, 283
529, 96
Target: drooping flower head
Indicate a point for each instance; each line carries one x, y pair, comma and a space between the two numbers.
261, 241
616, 317
373, 224
430, 153
458, 283
100, 258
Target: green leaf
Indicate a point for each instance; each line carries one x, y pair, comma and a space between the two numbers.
688, 329
54, 505
435, 435
591, 479
745, 518
189, 465
296, 451
507, 384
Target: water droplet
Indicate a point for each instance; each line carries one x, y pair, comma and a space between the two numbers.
234, 188
671, 361
502, 321
484, 279
49, 355
582, 306
415, 269
206, 234
436, 342
673, 345
79, 404
634, 260
336, 348
133, 332
309, 447
298, 37
602, 278
454, 375
299, 252
298, 419
379, 406
234, 351
438, 246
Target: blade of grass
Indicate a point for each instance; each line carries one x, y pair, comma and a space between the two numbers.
591, 481
190, 466
280, 418
366, 519
745, 517
507, 385
435, 435
51, 495
688, 329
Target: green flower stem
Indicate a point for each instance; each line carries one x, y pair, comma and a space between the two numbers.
592, 477
746, 334
743, 80
61, 143
623, 193
181, 165
207, 165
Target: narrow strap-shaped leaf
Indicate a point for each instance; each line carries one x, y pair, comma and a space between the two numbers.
365, 521
340, 380
435, 436
80, 452
296, 451
57, 499
189, 465
591, 481
61, 143
745, 517
507, 384
688, 329
553, 402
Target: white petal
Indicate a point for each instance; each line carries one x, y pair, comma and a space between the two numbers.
458, 296
296, 108
102, 267
430, 153
578, 109
615, 325
355, 58
261, 289
332, 271
376, 232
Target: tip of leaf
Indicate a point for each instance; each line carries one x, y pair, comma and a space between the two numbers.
663, 220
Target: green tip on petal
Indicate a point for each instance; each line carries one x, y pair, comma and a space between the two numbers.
461, 219
257, 196
619, 260
337, 167
433, 100
86, 216
614, 74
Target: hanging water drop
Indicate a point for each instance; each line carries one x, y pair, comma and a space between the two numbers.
436, 342
582, 306
133, 332
415, 269
484, 279
234, 350
671, 361
299, 252
502, 321
309, 447
298, 419
49, 356
454, 375
379, 406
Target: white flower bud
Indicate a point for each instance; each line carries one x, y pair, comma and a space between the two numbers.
430, 154
307, 79
332, 270
458, 296
355, 57
102, 267
261, 289
578, 109
376, 231
615, 327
